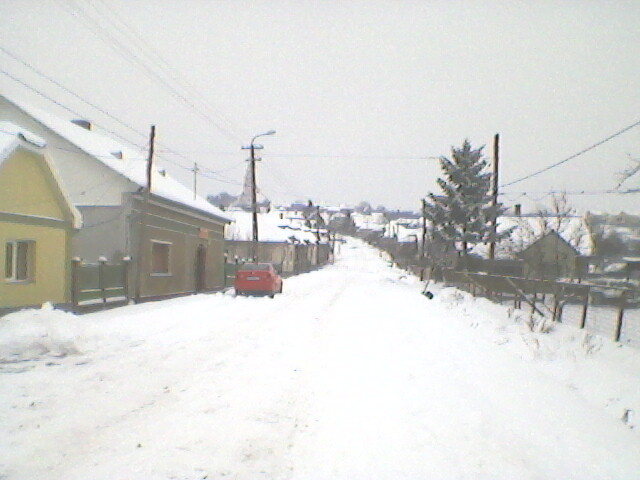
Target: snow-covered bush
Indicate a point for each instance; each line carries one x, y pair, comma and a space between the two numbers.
452, 296
538, 324
31, 333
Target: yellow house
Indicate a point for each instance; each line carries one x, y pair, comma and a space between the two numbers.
36, 224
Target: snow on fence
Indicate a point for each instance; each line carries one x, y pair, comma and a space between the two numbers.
98, 283
617, 317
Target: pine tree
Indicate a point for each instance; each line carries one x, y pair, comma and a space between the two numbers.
463, 214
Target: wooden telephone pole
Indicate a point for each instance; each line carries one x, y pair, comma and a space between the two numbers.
494, 194
424, 227
143, 208
195, 171
254, 201
152, 138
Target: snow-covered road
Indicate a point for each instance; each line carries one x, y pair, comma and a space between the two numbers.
350, 374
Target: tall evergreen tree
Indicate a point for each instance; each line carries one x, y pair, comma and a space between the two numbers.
463, 214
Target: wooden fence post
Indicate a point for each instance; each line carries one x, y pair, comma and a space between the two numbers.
623, 301
103, 293
533, 302
585, 306
75, 286
560, 305
125, 276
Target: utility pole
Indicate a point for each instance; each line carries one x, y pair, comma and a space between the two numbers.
195, 171
494, 194
254, 201
318, 222
424, 227
143, 208
152, 137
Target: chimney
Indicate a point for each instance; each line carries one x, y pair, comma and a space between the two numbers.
86, 124
518, 209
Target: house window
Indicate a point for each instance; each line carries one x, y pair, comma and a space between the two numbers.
19, 264
160, 252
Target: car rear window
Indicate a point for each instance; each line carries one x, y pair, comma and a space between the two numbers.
255, 266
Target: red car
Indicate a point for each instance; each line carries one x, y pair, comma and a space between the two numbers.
258, 279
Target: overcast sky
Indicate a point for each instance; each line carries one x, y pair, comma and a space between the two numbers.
357, 91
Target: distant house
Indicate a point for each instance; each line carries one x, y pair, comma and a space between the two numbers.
548, 245
286, 242
175, 240
550, 256
36, 223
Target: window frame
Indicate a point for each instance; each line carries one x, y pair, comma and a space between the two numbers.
166, 273
12, 263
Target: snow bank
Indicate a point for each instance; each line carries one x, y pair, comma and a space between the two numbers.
32, 333
604, 372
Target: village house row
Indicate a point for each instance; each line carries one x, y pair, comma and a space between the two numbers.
77, 224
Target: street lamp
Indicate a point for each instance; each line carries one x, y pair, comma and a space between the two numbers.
254, 206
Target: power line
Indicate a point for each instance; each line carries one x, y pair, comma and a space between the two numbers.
221, 180
69, 91
112, 17
76, 114
354, 157
79, 115
126, 53
571, 157
325, 155
575, 192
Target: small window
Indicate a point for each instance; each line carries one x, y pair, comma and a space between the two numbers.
160, 252
19, 263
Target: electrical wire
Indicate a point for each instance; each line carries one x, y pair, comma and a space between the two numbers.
126, 53
69, 91
112, 17
571, 157
76, 114
161, 156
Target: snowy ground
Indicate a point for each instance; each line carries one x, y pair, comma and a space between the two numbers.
350, 374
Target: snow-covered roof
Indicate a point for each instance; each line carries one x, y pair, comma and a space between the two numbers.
374, 221
13, 136
127, 161
405, 230
271, 228
526, 229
